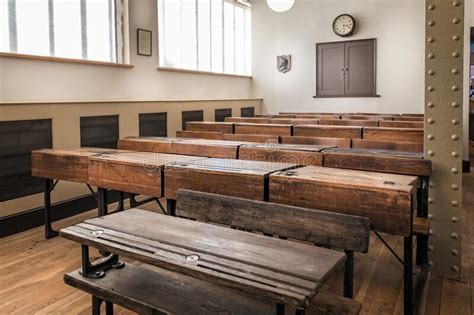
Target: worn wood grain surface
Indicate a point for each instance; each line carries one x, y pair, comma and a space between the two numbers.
337, 142
385, 199
200, 135
402, 124
415, 147
263, 129
224, 127
394, 134
252, 138
255, 120
350, 122
368, 117
350, 132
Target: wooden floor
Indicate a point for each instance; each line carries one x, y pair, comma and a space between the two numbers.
31, 271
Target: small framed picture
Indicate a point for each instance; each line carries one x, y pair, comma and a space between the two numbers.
143, 42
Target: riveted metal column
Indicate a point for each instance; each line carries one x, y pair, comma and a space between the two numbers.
443, 131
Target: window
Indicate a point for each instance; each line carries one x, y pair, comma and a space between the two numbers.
77, 29
205, 35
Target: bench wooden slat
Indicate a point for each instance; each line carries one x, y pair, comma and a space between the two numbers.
421, 226
350, 132
252, 138
224, 127
338, 142
200, 135
320, 116
394, 134
415, 147
331, 304
350, 122
402, 124
368, 117
321, 227
409, 118
294, 121
255, 120
386, 199
263, 129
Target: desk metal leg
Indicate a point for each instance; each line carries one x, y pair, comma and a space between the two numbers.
349, 275
408, 275
171, 207
109, 308
48, 229
96, 302
280, 309
102, 203
422, 212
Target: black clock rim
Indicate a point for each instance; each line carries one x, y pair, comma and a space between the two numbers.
353, 29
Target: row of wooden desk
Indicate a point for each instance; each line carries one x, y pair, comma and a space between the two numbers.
388, 200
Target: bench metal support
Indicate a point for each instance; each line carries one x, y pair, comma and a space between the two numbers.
102, 202
408, 275
422, 212
98, 268
349, 275
135, 203
280, 309
97, 302
49, 232
171, 205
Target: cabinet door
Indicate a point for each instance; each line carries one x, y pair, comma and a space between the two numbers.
330, 74
360, 68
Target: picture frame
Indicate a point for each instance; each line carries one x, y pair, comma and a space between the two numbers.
144, 42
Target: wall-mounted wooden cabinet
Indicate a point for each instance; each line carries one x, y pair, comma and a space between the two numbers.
346, 69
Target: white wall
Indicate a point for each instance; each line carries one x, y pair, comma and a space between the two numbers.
41, 81
397, 25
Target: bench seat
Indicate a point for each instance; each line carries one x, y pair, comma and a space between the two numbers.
146, 291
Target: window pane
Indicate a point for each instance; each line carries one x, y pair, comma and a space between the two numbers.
67, 29
188, 34
4, 30
171, 31
248, 42
204, 35
229, 55
216, 36
33, 27
100, 30
239, 40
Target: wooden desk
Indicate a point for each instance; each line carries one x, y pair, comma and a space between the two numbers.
368, 117
294, 121
350, 132
402, 124
284, 153
415, 147
286, 272
393, 134
255, 120
196, 147
350, 122
238, 178
224, 127
139, 173
263, 129
318, 116
200, 135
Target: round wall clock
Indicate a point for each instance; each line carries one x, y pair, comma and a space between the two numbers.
344, 25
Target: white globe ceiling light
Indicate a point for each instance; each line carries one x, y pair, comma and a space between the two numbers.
280, 5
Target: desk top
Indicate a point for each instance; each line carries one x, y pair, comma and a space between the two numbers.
285, 271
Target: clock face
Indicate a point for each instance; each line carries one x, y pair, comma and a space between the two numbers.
344, 25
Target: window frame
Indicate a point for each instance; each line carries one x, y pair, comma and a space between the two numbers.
121, 38
203, 72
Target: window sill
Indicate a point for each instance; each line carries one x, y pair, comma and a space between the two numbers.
204, 72
65, 60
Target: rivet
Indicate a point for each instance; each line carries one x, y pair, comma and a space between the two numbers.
456, 37
431, 23
455, 154
431, 121
430, 153
455, 71
456, 21
454, 219
455, 268
431, 263
454, 170
430, 232
455, 137
431, 185
430, 137
431, 7
454, 203
430, 200
455, 122
431, 72
431, 40
430, 248
456, 3
455, 54
430, 88
455, 104
455, 88
430, 216
454, 236
431, 56
455, 252
431, 105
455, 186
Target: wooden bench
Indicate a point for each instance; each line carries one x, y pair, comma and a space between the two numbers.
367, 117
318, 116
409, 118
224, 127
350, 122
402, 124
238, 178
394, 134
263, 129
252, 138
337, 142
283, 153
294, 121
200, 135
254, 120
275, 116
350, 132
244, 263
415, 147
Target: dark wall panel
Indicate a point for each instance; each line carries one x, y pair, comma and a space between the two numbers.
100, 131
247, 112
192, 115
17, 140
221, 114
153, 125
